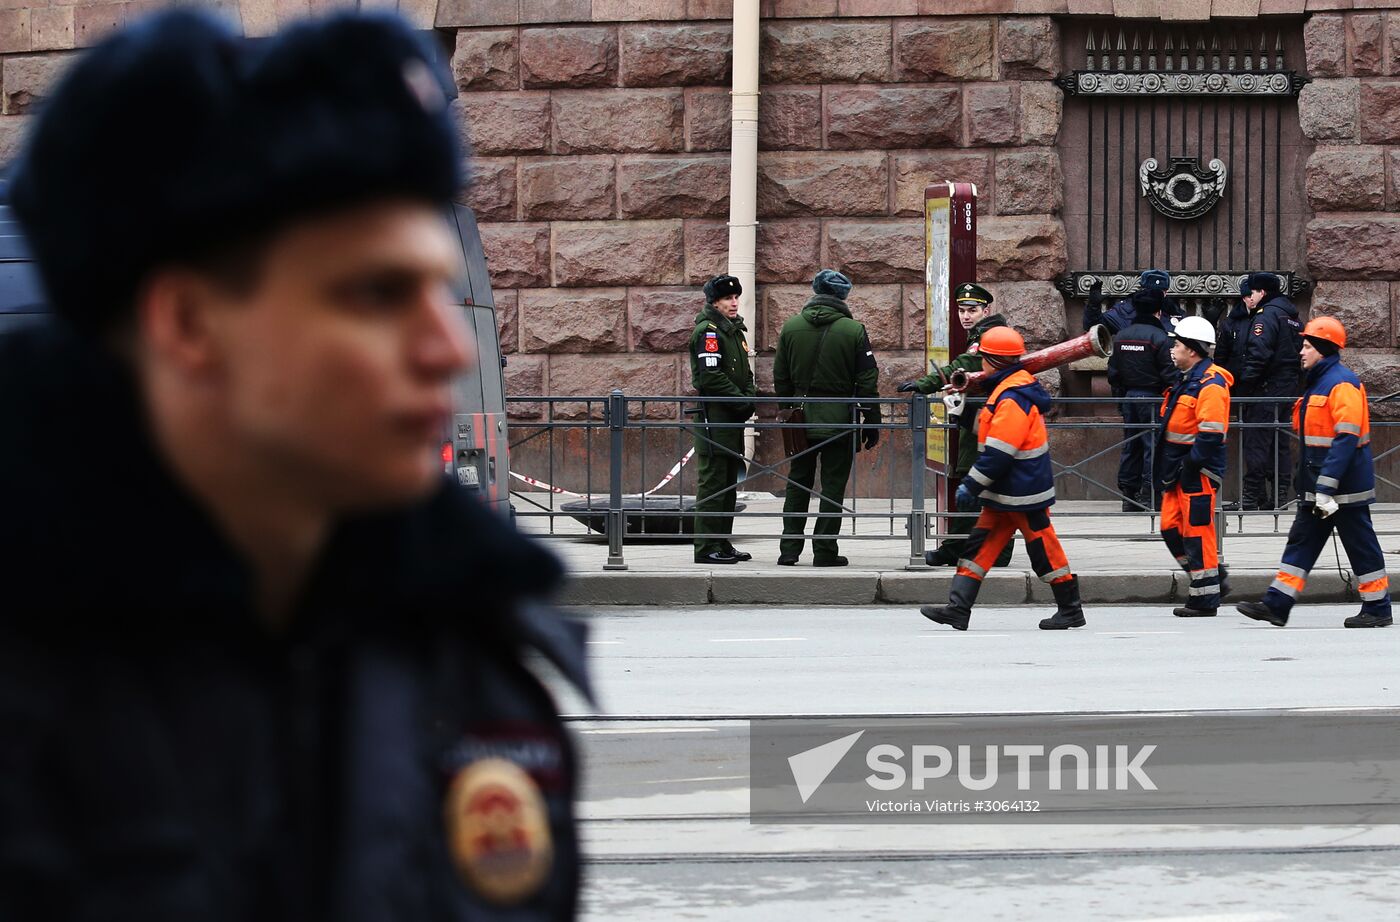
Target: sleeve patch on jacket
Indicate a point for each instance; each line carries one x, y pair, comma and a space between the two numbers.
711, 342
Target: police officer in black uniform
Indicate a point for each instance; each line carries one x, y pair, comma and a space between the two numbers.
1272, 346
258, 659
1232, 331
1140, 366
1122, 312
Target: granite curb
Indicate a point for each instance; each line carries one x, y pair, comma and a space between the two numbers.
904, 587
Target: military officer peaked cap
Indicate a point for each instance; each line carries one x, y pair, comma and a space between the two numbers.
175, 139
971, 292
722, 286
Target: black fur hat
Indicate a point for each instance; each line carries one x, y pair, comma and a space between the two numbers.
1148, 301
722, 286
175, 137
1266, 282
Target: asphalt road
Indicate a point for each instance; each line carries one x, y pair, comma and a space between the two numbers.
763, 661
666, 787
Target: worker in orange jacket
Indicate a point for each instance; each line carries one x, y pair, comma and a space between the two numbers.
1190, 463
1014, 482
1336, 484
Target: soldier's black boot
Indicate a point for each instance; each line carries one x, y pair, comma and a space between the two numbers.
958, 612
1069, 612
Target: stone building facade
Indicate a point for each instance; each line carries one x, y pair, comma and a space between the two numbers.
601, 133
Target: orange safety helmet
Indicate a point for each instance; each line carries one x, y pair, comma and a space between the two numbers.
1002, 341
1328, 328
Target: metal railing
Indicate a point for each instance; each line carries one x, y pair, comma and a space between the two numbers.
636, 439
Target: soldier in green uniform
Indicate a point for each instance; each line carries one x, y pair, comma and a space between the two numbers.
719, 367
975, 313
824, 352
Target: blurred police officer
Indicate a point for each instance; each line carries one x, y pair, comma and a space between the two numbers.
824, 352
975, 314
1191, 464
719, 367
1140, 367
1121, 314
1336, 484
1271, 348
258, 660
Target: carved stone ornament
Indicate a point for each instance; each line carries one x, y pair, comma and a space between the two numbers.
1182, 190
1099, 83
1120, 284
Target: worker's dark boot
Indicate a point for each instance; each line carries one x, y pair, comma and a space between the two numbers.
1261, 612
1069, 611
1368, 619
958, 612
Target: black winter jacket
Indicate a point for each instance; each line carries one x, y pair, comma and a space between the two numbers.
1230, 340
166, 756
1141, 358
1273, 347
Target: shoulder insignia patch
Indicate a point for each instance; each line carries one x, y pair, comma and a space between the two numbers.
1259, 329
498, 831
711, 342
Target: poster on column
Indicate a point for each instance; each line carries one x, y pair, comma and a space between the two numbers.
950, 250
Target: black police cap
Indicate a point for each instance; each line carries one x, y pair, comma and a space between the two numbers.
722, 286
176, 137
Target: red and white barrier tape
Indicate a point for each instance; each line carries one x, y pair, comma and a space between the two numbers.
670, 475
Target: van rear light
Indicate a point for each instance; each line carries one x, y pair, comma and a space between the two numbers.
447, 457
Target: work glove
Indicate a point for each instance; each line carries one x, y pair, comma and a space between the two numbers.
908, 387
954, 402
1324, 505
964, 499
1096, 293
869, 438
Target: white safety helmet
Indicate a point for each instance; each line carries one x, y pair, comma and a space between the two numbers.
1198, 329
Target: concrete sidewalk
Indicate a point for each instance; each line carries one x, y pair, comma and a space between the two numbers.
1118, 557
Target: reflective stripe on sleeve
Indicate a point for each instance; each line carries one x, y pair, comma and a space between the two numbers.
1020, 500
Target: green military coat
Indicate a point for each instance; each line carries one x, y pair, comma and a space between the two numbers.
969, 361
841, 365
719, 367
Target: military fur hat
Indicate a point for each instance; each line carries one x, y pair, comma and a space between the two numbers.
1155, 278
1266, 282
833, 283
722, 286
175, 138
